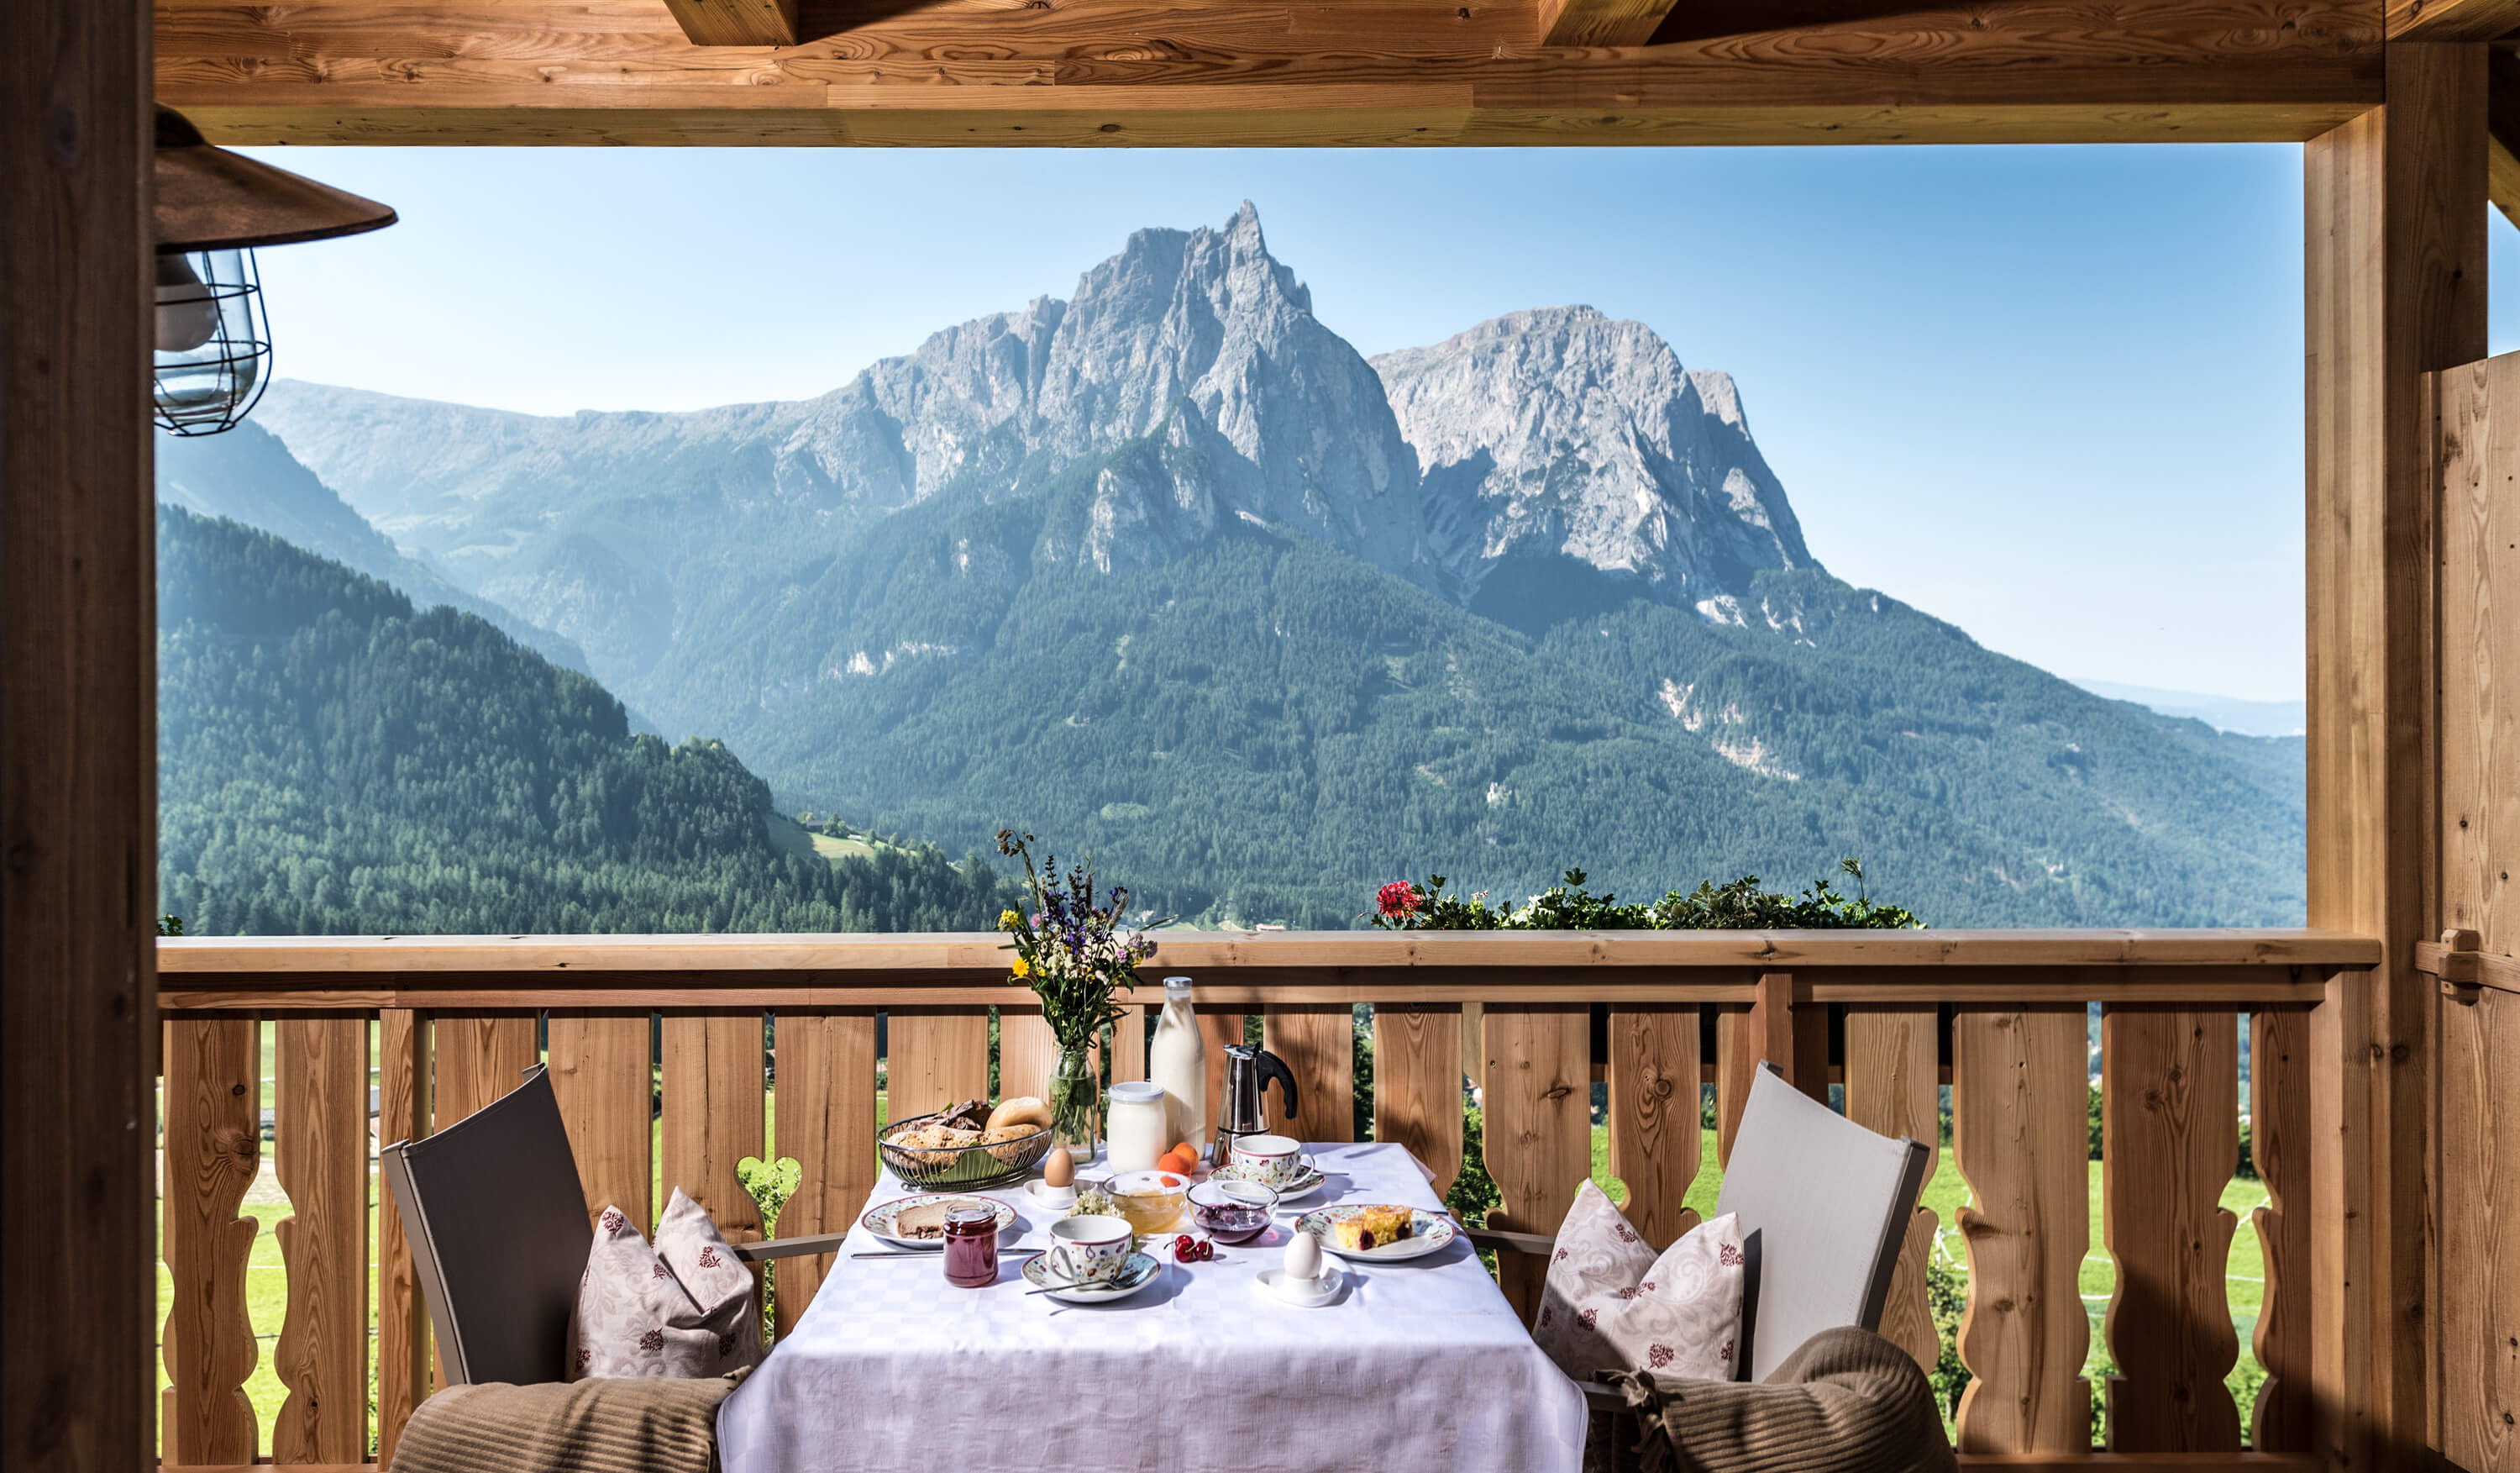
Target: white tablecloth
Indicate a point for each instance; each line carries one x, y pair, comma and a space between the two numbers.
1421, 1366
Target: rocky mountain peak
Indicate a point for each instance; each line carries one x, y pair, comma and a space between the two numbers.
1563, 437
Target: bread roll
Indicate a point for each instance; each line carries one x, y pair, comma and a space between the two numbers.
1022, 1110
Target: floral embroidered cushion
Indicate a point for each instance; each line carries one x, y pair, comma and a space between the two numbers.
1612, 1303
683, 1308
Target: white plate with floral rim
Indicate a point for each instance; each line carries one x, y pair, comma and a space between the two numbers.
1302, 1186
1428, 1232
884, 1218
1141, 1269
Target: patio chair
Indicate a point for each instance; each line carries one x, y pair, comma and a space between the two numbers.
499, 1236
1823, 1205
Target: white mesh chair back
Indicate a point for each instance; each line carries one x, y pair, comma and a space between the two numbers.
1823, 1205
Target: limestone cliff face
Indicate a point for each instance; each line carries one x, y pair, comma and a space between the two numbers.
1562, 434
1186, 379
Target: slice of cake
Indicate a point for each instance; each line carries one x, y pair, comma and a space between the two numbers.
1372, 1227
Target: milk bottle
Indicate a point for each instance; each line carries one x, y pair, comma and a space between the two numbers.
1176, 1060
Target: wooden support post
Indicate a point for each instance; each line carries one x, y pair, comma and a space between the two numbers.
78, 761
2395, 279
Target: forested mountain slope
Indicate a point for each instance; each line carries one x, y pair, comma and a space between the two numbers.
331, 759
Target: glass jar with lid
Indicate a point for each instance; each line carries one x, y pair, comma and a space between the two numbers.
1139, 1127
972, 1245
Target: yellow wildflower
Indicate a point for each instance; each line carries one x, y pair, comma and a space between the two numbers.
1008, 920
1024, 968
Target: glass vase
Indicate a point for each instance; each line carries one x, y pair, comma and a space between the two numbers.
1075, 1102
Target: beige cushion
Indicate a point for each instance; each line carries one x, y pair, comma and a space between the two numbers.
1611, 1303
683, 1308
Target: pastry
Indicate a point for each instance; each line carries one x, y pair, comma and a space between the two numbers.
1024, 1110
1373, 1227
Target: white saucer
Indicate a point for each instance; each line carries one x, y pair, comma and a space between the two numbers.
1303, 1187
1274, 1283
1142, 1268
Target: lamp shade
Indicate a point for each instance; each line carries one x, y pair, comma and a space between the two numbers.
209, 198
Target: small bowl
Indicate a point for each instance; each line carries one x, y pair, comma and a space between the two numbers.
1232, 1212
1152, 1201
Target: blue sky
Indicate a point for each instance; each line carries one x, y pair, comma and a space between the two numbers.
2053, 394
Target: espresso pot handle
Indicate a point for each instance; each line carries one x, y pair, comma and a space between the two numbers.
1272, 1067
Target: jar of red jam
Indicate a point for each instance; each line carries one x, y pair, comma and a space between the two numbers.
971, 1247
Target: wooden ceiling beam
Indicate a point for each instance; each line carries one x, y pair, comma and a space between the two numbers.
1297, 72
1599, 23
736, 23
2502, 132
2452, 19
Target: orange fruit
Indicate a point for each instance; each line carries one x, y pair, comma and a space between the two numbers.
1176, 1162
1186, 1151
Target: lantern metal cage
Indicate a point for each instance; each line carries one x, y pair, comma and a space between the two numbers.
213, 340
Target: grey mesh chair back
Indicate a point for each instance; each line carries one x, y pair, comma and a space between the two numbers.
1823, 1205
499, 1234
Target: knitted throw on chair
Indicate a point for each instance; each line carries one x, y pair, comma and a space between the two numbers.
1847, 1402
648, 1424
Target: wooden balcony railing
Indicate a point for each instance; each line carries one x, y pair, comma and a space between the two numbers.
2000, 1017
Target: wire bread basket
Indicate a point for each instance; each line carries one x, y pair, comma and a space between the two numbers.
974, 1165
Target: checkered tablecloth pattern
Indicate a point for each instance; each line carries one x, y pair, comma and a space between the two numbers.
1420, 1365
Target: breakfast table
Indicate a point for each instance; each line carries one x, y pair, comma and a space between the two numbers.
1417, 1364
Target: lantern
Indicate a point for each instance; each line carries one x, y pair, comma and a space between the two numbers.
214, 208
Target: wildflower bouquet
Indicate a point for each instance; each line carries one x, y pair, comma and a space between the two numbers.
1071, 952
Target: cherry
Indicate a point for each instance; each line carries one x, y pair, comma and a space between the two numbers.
1206, 1251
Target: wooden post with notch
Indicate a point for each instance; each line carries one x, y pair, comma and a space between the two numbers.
2394, 274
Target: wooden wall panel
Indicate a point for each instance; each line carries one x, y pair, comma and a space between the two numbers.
2170, 1115
480, 1057
2480, 1285
600, 1073
1417, 1083
2478, 459
1656, 1144
714, 1100
213, 1070
2020, 1136
2279, 1145
1027, 1053
320, 1135
78, 755
1538, 1126
2395, 287
403, 1361
1318, 1041
938, 1056
825, 1120
1894, 1086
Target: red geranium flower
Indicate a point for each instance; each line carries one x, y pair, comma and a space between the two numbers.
1399, 897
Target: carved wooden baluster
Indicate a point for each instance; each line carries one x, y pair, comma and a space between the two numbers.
938, 1057
1027, 1052
1417, 1083
1318, 1041
320, 1131
826, 1089
1538, 1130
212, 1071
1127, 1043
480, 1057
2020, 1136
713, 1117
1894, 1086
2169, 1086
599, 1077
403, 1079
1656, 1143
2280, 1146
